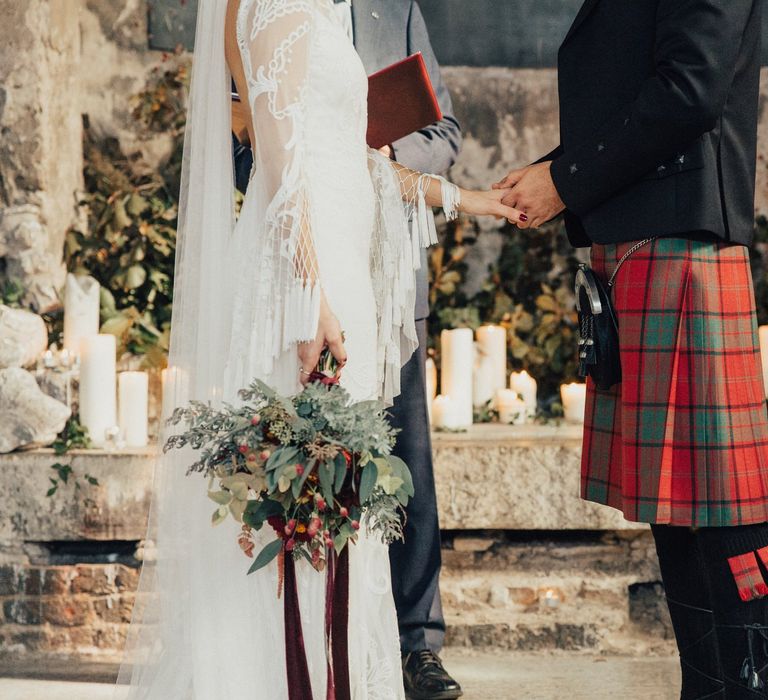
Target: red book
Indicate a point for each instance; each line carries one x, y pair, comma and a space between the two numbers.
401, 100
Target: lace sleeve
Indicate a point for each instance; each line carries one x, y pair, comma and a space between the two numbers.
275, 41
403, 225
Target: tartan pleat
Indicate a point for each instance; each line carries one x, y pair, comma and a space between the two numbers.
683, 440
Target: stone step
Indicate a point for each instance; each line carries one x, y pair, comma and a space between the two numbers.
586, 592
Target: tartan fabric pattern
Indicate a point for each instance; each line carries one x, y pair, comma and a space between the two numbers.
748, 577
683, 439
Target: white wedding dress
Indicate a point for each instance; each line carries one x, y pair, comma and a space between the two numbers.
321, 211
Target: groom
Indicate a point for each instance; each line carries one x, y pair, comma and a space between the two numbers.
384, 33
656, 167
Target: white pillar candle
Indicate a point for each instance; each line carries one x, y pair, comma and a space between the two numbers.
431, 377
175, 388
492, 342
525, 385
574, 399
98, 396
81, 310
457, 369
483, 385
763, 333
430, 370
511, 407
133, 407
446, 413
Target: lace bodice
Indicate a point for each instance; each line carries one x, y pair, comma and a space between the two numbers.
322, 204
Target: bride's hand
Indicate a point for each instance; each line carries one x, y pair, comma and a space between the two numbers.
328, 333
488, 203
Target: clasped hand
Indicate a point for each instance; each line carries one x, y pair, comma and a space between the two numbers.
532, 191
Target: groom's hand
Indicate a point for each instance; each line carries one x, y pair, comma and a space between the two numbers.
533, 192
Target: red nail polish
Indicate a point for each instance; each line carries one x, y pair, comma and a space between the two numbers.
523, 218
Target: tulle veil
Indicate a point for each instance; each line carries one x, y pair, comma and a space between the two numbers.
159, 654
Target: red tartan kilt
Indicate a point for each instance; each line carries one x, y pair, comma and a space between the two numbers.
683, 440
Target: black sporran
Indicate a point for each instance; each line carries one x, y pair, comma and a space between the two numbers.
598, 331
599, 355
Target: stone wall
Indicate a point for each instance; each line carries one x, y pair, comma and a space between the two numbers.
40, 153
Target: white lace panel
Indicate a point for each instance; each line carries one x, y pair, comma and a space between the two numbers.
276, 39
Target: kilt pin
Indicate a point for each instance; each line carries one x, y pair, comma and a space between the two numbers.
683, 439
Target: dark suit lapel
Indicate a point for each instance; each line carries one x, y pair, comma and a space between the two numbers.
584, 12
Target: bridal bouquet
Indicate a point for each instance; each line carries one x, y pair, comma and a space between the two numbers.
311, 467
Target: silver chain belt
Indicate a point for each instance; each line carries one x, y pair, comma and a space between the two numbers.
627, 255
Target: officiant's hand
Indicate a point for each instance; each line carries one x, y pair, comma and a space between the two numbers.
328, 333
490, 203
532, 191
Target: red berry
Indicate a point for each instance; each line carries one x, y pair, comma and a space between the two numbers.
321, 504
264, 455
288, 530
343, 512
243, 449
355, 525
256, 419
299, 470
289, 545
292, 523
328, 542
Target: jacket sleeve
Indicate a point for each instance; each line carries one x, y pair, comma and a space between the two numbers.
435, 148
697, 47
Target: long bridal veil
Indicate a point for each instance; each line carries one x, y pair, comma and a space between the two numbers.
177, 600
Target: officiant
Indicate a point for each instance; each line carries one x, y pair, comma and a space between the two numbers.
385, 33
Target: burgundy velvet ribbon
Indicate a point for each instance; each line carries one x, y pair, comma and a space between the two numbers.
299, 684
330, 689
339, 625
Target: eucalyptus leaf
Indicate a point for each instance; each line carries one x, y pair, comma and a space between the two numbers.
341, 472
266, 555
325, 472
401, 470
368, 480
223, 498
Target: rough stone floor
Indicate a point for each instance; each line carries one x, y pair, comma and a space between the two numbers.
485, 676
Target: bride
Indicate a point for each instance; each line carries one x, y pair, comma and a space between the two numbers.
322, 244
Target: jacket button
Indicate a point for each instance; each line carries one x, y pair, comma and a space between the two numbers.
626, 121
574, 168
681, 159
601, 146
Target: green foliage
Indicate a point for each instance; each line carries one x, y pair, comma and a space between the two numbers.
74, 436
11, 293
129, 242
65, 473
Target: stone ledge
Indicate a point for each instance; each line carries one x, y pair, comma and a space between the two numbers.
516, 478
489, 478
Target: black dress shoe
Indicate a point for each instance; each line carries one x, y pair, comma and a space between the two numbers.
426, 679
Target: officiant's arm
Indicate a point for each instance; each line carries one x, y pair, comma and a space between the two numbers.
435, 148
